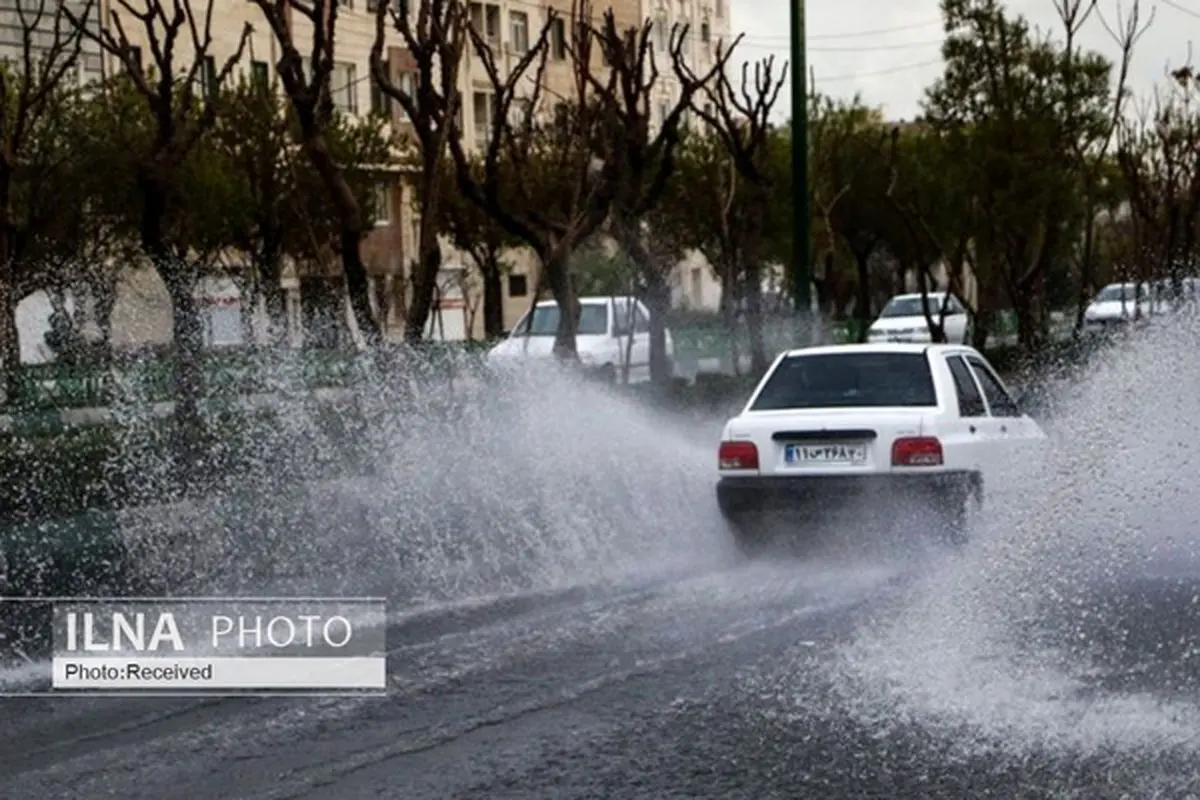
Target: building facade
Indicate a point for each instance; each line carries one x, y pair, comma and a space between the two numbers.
142, 314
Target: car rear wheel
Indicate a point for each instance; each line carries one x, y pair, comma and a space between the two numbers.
954, 510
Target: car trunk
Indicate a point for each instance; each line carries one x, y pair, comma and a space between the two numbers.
848, 441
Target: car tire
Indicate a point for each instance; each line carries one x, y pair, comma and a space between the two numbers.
954, 511
607, 374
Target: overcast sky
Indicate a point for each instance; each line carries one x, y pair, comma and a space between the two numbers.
889, 50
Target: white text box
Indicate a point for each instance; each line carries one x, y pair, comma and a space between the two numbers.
121, 674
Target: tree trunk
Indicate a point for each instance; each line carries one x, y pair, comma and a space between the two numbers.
10, 348
275, 308
754, 319
558, 278
320, 302
981, 329
104, 299
862, 296
350, 219
493, 299
424, 287
729, 316
180, 278
189, 431
658, 300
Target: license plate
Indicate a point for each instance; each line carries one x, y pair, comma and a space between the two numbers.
825, 453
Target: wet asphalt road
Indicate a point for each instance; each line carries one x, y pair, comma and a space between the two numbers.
729, 683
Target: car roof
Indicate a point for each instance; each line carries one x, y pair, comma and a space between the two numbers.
881, 347
587, 301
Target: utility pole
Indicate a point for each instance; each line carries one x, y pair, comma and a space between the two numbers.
801, 246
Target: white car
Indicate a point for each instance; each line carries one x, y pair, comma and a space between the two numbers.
903, 319
603, 339
828, 423
1121, 303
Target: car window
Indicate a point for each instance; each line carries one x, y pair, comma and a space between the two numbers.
848, 380
955, 306
970, 401
911, 306
998, 400
593, 321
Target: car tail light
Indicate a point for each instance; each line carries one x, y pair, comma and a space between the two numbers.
738, 455
917, 451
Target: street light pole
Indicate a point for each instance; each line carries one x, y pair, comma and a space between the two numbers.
801, 246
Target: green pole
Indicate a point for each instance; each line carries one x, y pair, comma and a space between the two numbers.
801, 269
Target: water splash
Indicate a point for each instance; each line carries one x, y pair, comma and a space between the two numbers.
1050, 630
528, 483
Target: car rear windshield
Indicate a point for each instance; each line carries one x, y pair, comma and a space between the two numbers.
849, 380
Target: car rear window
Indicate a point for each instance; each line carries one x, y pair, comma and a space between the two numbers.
848, 380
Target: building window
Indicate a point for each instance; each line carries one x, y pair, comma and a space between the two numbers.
485, 19
518, 286
382, 204
492, 26
720, 9
482, 106
407, 83
260, 74
697, 288
705, 33
381, 104
660, 32
343, 87
558, 39
135, 55
518, 22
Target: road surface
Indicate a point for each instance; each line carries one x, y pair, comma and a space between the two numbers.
828, 675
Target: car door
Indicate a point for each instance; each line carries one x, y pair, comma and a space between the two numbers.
1014, 426
955, 321
971, 429
639, 356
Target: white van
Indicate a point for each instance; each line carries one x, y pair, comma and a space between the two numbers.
602, 340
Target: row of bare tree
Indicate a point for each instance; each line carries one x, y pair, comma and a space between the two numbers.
180, 132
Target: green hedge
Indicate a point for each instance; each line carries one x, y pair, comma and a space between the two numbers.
113, 466
229, 373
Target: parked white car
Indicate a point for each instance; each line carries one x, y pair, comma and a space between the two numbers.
603, 339
903, 319
1120, 303
826, 424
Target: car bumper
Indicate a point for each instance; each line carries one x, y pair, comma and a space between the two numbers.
738, 495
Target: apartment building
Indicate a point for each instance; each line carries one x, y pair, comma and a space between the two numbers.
511, 26
390, 242
142, 314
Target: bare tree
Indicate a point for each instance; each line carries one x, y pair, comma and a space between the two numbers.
436, 46
306, 79
646, 157
1159, 158
180, 120
1092, 151
48, 49
740, 118
549, 180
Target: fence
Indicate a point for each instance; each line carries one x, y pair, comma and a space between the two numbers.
699, 348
